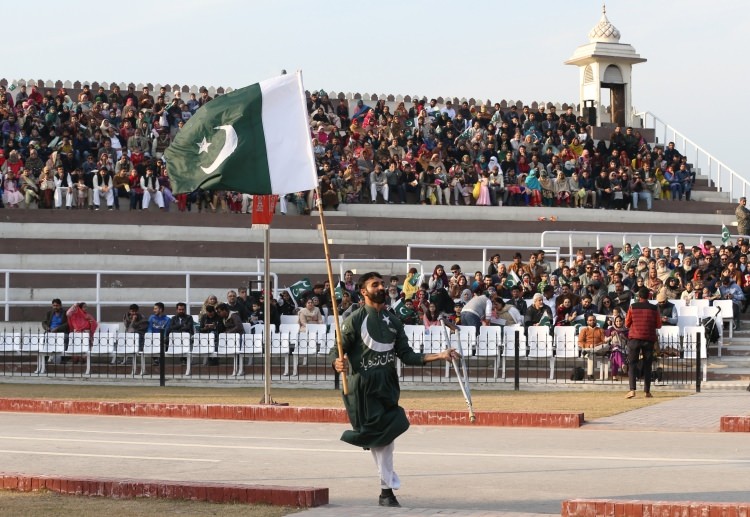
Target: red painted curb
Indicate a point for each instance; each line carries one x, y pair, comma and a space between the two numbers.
304, 497
283, 413
735, 424
624, 508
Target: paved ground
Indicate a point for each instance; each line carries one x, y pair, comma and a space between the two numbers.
700, 412
667, 452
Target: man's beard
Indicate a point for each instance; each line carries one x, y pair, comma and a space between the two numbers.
377, 296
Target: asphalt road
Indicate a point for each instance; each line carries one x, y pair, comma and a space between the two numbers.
457, 469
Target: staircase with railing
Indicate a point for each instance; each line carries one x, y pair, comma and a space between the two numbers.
720, 176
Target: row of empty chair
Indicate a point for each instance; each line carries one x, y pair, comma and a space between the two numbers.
288, 341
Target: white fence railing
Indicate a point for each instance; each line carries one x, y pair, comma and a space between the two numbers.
100, 298
548, 249
593, 239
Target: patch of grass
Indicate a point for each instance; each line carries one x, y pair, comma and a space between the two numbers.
593, 404
33, 504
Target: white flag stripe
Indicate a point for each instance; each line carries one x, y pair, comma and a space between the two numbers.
288, 146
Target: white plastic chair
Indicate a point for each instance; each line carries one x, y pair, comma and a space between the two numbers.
151, 348
179, 345
713, 312
289, 319
669, 335
284, 341
468, 336
566, 345
727, 315
204, 345
415, 335
104, 343
509, 343
230, 345
10, 342
79, 344
701, 303
688, 310
128, 345
540, 343
106, 338
687, 321
489, 343
253, 341
308, 343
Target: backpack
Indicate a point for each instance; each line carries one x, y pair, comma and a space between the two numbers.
578, 374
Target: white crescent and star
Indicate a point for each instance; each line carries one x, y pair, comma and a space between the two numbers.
371, 343
230, 144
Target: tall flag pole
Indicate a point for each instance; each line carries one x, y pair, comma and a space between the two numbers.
254, 140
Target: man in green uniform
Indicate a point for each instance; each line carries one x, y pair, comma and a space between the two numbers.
372, 338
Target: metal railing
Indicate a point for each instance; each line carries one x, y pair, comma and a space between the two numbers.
720, 176
500, 358
100, 301
546, 249
647, 238
344, 263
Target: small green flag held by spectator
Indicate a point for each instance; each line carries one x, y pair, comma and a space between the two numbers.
299, 288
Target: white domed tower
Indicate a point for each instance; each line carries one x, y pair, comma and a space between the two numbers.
605, 63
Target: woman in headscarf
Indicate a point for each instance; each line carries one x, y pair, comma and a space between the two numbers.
577, 193
548, 189
533, 189
617, 337
562, 190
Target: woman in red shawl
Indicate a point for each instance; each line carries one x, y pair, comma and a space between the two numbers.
81, 321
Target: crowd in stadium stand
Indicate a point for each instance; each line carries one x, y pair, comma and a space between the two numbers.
104, 149
603, 283
591, 294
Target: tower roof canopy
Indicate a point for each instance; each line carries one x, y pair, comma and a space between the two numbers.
604, 31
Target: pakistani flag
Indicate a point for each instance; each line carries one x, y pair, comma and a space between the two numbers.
299, 288
338, 292
512, 280
725, 236
546, 320
466, 134
253, 140
637, 250
404, 312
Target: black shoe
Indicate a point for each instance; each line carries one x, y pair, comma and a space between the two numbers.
388, 500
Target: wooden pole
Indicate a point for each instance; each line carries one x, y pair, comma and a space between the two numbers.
339, 345
267, 315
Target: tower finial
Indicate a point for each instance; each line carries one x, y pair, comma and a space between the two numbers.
604, 8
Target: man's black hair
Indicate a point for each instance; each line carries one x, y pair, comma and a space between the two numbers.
367, 276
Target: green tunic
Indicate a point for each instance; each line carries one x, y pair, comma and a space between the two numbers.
372, 340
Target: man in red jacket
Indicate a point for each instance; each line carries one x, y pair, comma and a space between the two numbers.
642, 321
